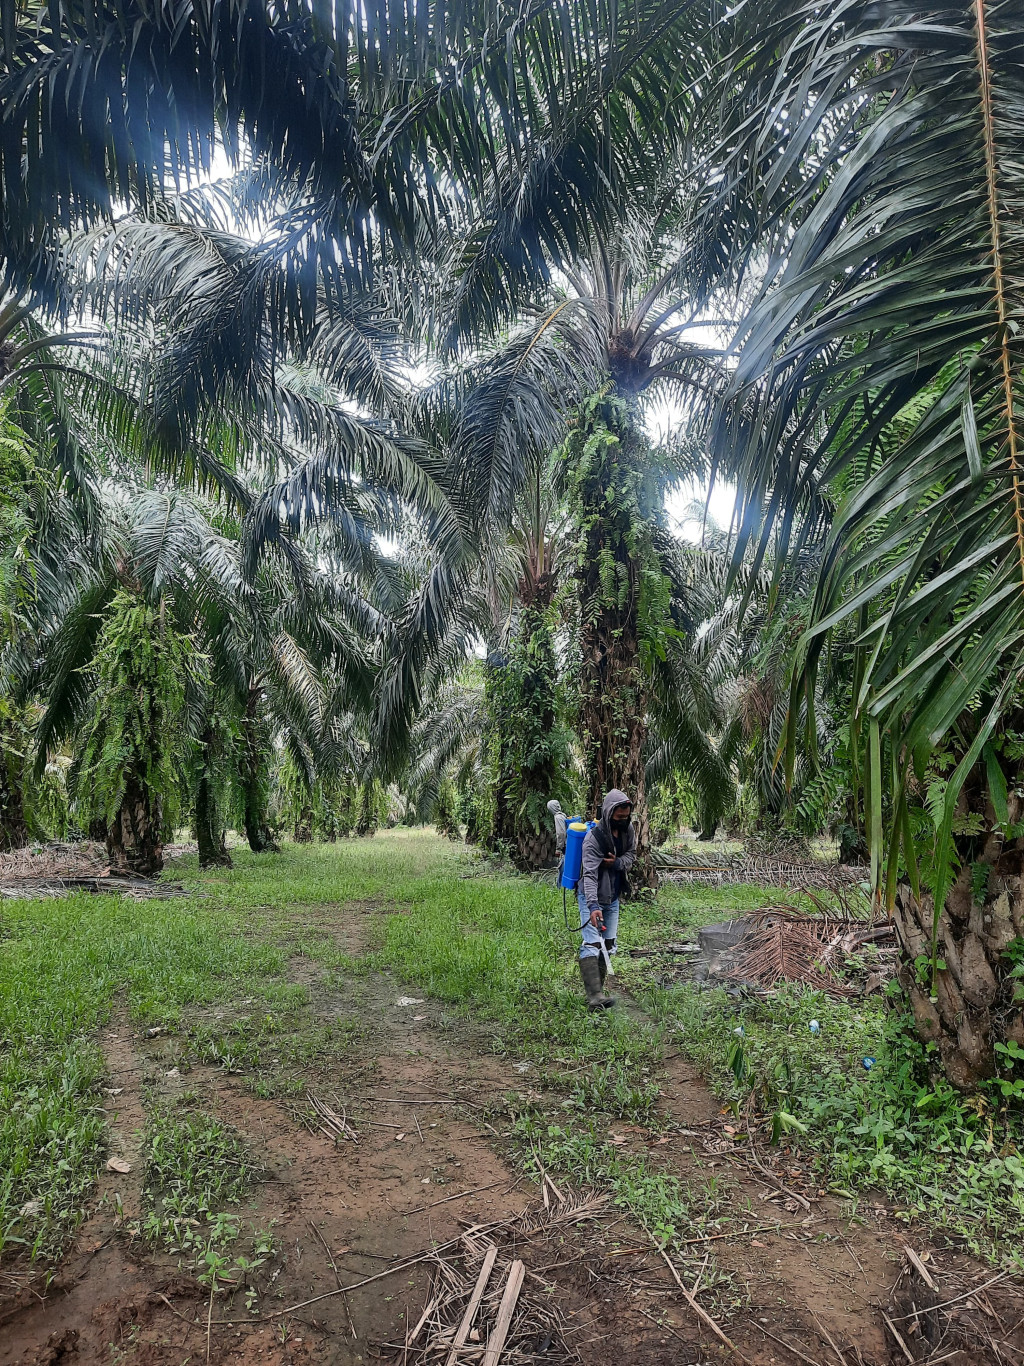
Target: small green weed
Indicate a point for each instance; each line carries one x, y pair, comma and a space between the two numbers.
658, 1201
195, 1166
273, 1048
613, 1088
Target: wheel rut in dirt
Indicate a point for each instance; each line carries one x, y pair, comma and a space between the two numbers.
339, 1212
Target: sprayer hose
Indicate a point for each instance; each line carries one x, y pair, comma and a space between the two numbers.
578, 929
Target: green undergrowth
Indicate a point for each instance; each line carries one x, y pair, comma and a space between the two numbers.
212, 970
496, 948
273, 1050
579, 1148
893, 1125
64, 964
197, 1171
67, 964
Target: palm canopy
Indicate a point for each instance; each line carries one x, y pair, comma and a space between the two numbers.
621, 314
883, 354
388, 120
165, 547
310, 435
192, 378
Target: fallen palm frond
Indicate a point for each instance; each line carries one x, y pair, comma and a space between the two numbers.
574, 1209
138, 888
56, 869
87, 858
482, 1306
715, 870
783, 946
329, 1122
480, 1310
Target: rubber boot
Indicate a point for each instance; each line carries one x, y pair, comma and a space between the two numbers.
590, 971
603, 968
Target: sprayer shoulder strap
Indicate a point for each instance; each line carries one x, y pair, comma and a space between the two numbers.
604, 842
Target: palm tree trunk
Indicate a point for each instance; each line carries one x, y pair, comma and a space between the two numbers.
135, 842
971, 1007
257, 832
303, 831
613, 691
476, 831
14, 833
524, 715
366, 824
972, 1002
210, 834
254, 778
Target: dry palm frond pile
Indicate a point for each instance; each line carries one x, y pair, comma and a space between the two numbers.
784, 946
84, 859
716, 871
55, 870
485, 1307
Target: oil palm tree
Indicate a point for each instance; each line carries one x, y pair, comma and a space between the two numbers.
613, 333
24, 502
151, 648
447, 747
882, 358
516, 134
106, 423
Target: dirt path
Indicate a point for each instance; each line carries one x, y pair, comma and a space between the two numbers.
820, 1285
420, 1173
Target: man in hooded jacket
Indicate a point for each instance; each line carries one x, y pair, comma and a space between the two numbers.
608, 853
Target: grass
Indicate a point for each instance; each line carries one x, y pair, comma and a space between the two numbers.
63, 965
496, 948
273, 1048
212, 969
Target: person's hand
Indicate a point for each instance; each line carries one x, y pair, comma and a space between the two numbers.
596, 918
608, 860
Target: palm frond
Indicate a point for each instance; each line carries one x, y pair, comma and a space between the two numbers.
881, 359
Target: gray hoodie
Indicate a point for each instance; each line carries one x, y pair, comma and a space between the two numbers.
602, 884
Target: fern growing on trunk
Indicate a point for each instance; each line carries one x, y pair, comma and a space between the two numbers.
136, 738
623, 603
528, 742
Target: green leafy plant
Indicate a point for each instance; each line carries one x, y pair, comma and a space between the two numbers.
898, 1126
137, 737
1010, 1055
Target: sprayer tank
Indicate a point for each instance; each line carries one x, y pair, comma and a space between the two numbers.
572, 865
